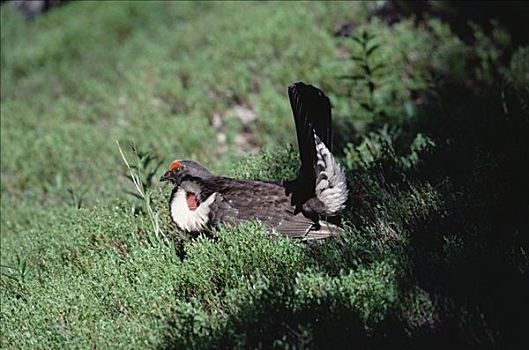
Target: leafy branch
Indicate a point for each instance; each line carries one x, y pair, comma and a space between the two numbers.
365, 71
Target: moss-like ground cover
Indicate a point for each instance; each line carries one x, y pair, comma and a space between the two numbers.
431, 126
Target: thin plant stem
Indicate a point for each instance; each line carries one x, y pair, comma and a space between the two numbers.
135, 176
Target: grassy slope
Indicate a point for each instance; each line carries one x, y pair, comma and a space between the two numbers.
84, 75
156, 74
124, 79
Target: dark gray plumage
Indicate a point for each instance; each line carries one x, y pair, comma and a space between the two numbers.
296, 208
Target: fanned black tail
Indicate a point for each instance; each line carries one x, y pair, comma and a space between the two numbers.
320, 175
312, 114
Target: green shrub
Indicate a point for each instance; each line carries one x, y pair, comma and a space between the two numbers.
433, 141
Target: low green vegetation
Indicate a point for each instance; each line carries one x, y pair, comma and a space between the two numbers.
431, 124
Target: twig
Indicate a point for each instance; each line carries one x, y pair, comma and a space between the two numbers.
135, 176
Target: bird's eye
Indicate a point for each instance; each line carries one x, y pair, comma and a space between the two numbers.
175, 165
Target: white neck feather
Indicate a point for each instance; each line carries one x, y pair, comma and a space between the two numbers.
187, 219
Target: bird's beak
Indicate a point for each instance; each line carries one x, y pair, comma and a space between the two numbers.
167, 176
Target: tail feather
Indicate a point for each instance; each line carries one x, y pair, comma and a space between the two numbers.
312, 116
320, 175
331, 185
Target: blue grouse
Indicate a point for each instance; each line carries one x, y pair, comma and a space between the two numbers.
296, 208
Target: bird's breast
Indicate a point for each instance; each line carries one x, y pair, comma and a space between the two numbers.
188, 213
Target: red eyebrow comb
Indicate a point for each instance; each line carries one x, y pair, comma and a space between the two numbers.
175, 164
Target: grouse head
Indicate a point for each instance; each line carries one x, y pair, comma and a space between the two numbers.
190, 202
181, 169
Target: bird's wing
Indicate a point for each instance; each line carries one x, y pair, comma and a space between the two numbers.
243, 200
225, 210
320, 175
222, 211
323, 231
295, 226
301, 227
237, 201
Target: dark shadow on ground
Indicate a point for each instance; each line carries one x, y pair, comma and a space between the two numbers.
468, 254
